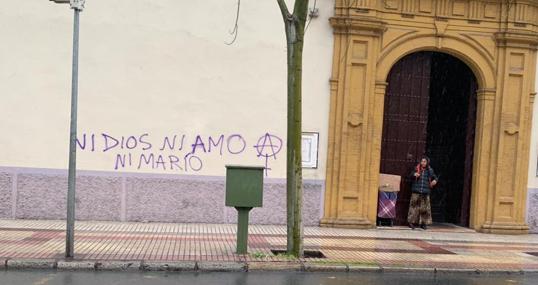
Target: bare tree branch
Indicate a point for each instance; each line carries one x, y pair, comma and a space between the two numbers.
310, 16
235, 30
284, 9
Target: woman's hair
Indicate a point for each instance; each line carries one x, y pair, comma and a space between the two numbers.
426, 158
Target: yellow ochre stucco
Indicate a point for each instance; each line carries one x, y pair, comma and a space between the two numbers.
496, 39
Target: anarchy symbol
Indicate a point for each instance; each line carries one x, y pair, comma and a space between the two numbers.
268, 146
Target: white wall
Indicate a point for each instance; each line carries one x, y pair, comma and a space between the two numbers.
156, 67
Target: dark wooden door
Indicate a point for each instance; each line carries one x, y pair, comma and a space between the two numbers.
450, 138
405, 122
469, 154
430, 109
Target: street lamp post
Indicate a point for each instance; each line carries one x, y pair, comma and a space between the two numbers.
77, 6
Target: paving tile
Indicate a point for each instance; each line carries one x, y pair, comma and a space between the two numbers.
111, 243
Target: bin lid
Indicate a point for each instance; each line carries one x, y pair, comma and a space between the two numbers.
245, 166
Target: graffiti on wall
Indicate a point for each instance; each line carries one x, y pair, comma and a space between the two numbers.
177, 153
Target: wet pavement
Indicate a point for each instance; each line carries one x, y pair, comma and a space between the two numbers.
441, 247
269, 278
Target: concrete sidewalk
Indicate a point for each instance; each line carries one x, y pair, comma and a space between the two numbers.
174, 247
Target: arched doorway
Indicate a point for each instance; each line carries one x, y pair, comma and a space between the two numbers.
430, 109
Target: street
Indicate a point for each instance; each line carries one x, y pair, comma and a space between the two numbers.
259, 278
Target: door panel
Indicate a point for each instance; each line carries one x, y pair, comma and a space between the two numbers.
405, 122
450, 136
469, 155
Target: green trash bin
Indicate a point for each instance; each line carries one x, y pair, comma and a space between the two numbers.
244, 191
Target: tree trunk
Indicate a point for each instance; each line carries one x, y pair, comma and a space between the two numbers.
294, 27
294, 161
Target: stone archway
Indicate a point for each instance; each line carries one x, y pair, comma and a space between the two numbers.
370, 37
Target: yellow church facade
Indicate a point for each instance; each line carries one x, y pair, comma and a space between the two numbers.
497, 40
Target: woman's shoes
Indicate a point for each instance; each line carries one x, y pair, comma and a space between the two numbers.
412, 226
424, 227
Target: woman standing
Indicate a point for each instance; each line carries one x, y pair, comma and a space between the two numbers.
424, 178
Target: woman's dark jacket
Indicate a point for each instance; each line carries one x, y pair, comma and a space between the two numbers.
421, 184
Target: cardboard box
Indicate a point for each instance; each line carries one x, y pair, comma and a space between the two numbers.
389, 182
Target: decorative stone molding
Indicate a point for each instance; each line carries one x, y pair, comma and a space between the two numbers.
359, 25
354, 119
334, 84
516, 38
511, 129
485, 94
440, 28
521, 13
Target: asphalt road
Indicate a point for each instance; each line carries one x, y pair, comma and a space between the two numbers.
270, 278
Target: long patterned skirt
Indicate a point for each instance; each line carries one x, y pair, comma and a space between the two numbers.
420, 212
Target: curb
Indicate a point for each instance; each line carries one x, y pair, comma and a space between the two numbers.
212, 266
456, 270
485, 271
316, 267
403, 269
364, 268
274, 266
496, 271
75, 265
169, 266
118, 265
30, 264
